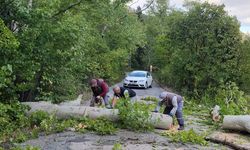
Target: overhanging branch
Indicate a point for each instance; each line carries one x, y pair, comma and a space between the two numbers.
67, 8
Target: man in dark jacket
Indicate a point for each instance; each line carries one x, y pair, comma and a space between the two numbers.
174, 105
100, 89
121, 92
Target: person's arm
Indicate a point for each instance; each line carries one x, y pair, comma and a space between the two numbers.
93, 92
174, 103
159, 104
114, 101
126, 94
105, 89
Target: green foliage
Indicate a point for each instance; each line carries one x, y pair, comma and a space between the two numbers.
12, 115
245, 65
150, 98
37, 117
232, 100
134, 116
25, 148
56, 51
117, 146
187, 137
101, 126
8, 45
197, 49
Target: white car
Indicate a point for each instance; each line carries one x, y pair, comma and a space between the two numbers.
138, 78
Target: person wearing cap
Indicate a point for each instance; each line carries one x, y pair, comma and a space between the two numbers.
121, 92
174, 105
100, 89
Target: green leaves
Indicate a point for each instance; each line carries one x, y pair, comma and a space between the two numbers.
186, 137
134, 116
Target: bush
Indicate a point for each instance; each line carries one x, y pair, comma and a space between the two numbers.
231, 99
37, 117
101, 126
134, 116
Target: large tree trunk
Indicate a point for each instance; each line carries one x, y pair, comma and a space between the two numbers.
237, 122
158, 120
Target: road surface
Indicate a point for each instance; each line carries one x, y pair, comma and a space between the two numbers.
129, 140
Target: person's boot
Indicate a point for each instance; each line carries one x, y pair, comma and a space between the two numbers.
181, 128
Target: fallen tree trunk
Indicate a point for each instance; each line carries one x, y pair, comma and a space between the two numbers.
224, 142
237, 122
158, 120
234, 140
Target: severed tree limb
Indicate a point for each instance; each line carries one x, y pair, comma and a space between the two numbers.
225, 142
158, 120
237, 122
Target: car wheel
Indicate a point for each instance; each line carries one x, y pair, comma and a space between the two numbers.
146, 85
151, 85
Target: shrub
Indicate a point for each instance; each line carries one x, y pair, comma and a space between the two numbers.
231, 99
37, 117
134, 116
101, 126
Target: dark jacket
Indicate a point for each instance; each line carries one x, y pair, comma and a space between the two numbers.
167, 101
122, 95
101, 89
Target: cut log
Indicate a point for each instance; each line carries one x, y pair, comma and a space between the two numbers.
234, 140
237, 122
158, 120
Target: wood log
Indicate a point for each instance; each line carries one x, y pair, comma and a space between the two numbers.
224, 142
158, 120
237, 122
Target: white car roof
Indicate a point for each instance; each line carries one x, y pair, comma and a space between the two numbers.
140, 71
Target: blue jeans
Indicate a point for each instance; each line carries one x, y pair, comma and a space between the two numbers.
178, 114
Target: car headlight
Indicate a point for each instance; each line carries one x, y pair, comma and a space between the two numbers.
141, 80
125, 80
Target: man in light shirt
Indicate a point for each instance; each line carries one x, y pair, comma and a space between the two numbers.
174, 105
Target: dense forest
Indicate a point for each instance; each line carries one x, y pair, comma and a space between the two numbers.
49, 50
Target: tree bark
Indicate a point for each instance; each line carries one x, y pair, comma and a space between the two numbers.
158, 120
225, 142
237, 122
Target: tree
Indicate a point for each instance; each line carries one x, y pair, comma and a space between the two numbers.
64, 43
8, 47
206, 49
245, 64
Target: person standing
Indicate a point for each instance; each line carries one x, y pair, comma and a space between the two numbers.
174, 106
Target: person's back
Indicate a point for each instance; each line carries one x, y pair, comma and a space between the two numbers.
121, 92
125, 90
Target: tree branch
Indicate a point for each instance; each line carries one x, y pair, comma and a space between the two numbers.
67, 8
146, 7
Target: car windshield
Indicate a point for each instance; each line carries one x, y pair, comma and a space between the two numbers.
137, 74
